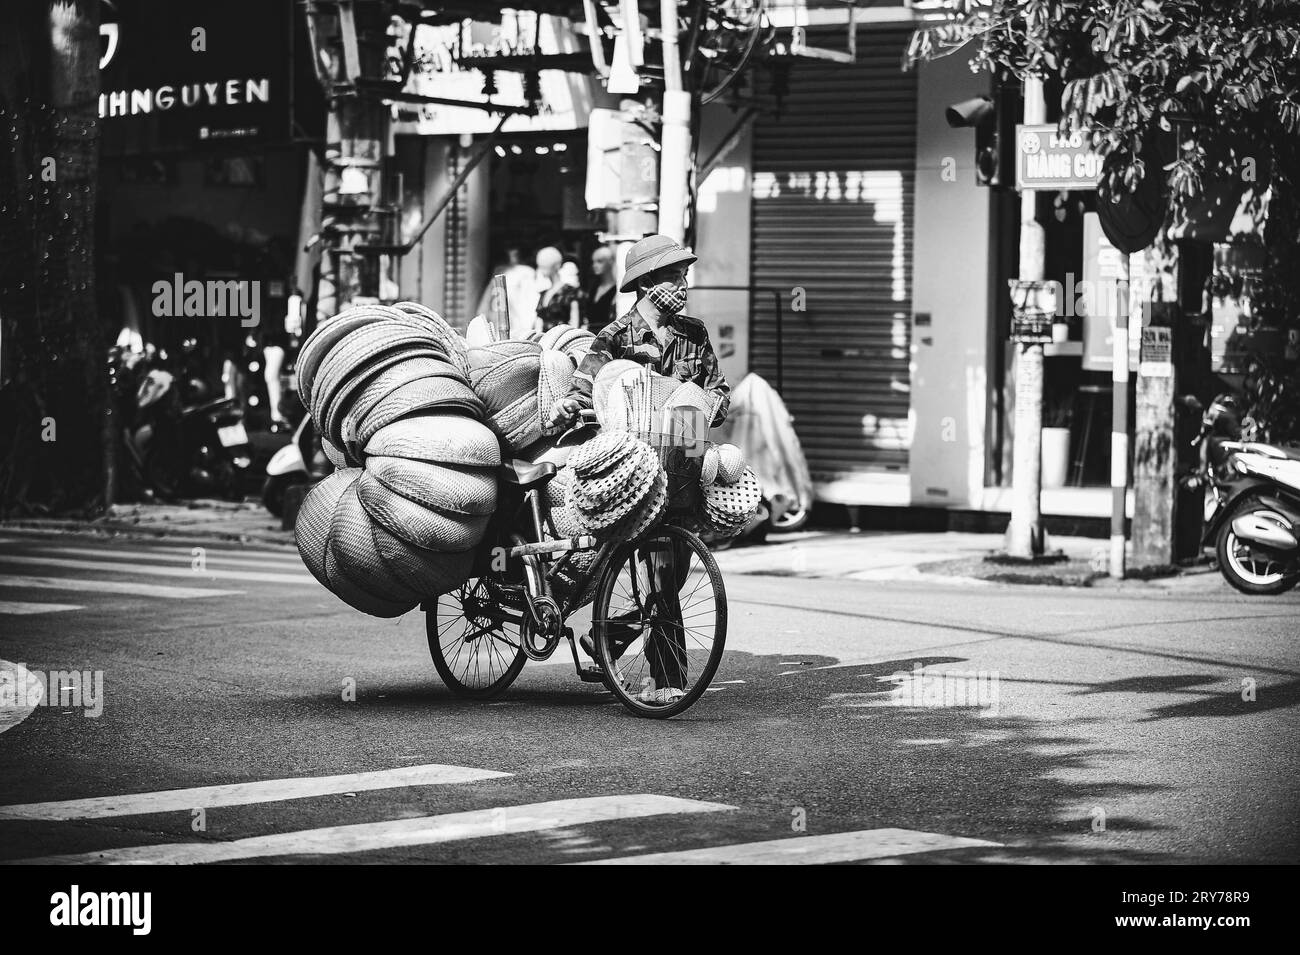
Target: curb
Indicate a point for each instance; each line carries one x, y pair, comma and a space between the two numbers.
108, 528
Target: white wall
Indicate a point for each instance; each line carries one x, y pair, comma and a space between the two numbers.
950, 275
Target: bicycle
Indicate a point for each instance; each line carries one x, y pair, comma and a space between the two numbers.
659, 607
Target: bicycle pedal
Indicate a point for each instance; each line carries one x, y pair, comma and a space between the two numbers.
591, 675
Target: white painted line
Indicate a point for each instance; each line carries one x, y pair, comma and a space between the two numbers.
290, 561
808, 850
113, 587
24, 608
399, 833
304, 578
243, 794
20, 694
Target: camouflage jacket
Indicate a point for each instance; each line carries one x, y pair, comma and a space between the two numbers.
687, 355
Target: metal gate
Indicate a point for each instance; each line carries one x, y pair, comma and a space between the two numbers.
832, 224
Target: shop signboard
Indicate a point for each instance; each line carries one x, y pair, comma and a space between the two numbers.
1047, 160
175, 77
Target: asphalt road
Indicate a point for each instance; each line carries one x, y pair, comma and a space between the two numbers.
1099, 726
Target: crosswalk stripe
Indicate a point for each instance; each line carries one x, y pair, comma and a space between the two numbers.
23, 607
398, 833
112, 587
159, 570
807, 850
290, 561
242, 794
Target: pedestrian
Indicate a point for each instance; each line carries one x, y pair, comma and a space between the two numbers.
560, 300
602, 292
654, 333
521, 293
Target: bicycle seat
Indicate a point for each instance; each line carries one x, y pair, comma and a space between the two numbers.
526, 474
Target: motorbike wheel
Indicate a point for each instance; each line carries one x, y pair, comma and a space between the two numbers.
1248, 567
165, 471
274, 489
790, 521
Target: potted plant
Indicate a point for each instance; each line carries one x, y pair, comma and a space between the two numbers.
1057, 414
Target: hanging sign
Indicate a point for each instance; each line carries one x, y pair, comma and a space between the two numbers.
1047, 160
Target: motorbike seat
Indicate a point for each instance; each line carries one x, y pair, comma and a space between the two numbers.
528, 475
1273, 451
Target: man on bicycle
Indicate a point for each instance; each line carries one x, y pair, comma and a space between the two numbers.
654, 333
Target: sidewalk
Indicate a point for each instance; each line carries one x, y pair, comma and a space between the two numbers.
948, 558
237, 522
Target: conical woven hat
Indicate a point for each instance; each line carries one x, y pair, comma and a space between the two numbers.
738, 500
454, 345
518, 424
351, 353
380, 386
322, 340
418, 525
609, 372
311, 531
353, 556
554, 378
450, 490
438, 439
427, 394
731, 464
345, 396
709, 467
426, 572
352, 594
336, 456
507, 381
601, 453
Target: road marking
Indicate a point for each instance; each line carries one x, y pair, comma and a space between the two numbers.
304, 578
23, 607
288, 562
399, 833
808, 850
113, 587
26, 690
243, 794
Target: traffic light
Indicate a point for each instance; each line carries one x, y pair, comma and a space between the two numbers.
994, 121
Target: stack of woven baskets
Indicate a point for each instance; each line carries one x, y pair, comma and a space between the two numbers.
615, 488
389, 390
732, 494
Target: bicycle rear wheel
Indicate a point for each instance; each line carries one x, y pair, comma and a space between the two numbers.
477, 653
659, 622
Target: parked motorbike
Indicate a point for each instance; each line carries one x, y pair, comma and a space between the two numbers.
1252, 502
298, 462
174, 449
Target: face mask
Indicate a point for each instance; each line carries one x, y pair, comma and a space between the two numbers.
668, 297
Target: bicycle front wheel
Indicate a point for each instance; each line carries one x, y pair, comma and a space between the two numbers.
659, 622
475, 649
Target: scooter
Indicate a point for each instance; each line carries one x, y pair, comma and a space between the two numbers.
1252, 502
298, 462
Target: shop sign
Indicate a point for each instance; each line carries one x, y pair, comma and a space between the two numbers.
1156, 358
173, 77
1047, 160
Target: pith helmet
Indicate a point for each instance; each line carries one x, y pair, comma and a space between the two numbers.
651, 253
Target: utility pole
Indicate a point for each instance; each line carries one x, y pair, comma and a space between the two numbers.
350, 38
1025, 536
675, 138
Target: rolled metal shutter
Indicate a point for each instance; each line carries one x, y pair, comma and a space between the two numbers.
832, 231
456, 296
